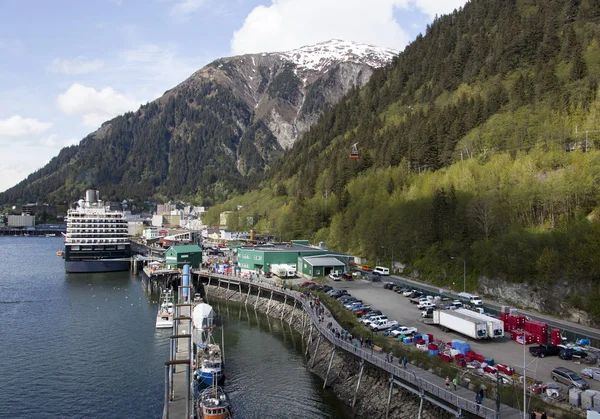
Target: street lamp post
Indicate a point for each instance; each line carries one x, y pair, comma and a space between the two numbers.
464, 272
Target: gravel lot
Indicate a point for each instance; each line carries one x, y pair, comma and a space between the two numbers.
504, 351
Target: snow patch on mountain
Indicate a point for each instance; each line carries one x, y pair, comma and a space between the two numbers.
325, 54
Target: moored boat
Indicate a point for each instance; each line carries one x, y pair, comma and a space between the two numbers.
210, 364
164, 317
213, 403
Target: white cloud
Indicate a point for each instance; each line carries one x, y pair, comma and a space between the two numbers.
183, 8
78, 65
54, 141
289, 24
94, 106
438, 7
17, 126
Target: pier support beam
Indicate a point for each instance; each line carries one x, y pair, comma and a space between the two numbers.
314, 357
269, 305
248, 295
329, 368
283, 307
293, 311
387, 409
362, 368
257, 296
309, 340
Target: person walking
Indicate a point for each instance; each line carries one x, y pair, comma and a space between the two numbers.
447, 383
533, 415
544, 416
455, 382
478, 400
404, 362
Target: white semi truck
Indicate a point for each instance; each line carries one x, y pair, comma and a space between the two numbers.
459, 322
283, 270
495, 327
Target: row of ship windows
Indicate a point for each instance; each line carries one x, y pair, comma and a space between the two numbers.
95, 222
98, 241
97, 230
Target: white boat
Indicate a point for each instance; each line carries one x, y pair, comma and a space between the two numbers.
164, 317
210, 362
49, 235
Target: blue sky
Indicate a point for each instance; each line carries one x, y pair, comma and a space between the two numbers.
68, 66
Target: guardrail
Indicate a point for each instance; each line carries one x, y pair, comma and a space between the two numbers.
429, 389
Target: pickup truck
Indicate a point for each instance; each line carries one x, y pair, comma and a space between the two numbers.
544, 350
404, 330
424, 305
383, 324
372, 319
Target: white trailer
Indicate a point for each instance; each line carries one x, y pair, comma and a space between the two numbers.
495, 327
283, 270
461, 323
279, 270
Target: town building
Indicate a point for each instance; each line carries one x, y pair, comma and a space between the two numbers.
178, 256
21, 221
259, 258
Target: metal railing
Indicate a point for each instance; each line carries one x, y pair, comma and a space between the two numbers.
408, 376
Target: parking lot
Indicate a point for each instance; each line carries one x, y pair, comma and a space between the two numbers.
504, 351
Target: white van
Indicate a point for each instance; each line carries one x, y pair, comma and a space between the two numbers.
470, 298
381, 270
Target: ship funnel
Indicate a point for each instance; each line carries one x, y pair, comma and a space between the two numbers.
90, 196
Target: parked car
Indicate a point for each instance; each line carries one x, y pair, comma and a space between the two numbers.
352, 303
347, 276
544, 350
383, 324
346, 298
305, 284
362, 307
372, 319
366, 268
390, 330
335, 276
415, 294
388, 285
364, 310
404, 330
372, 277
423, 305
314, 287
569, 377
402, 290
327, 288
568, 353
371, 313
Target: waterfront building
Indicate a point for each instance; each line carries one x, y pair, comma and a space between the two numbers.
177, 256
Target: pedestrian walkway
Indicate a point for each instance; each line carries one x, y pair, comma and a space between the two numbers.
430, 384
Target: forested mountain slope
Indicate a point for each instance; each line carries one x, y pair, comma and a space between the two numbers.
479, 142
211, 136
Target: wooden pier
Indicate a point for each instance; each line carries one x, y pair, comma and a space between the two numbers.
179, 392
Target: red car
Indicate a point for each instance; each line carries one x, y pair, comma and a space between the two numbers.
347, 276
367, 268
362, 311
306, 284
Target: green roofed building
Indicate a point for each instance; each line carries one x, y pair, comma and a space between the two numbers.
323, 265
177, 256
261, 257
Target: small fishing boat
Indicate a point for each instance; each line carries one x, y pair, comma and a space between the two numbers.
209, 359
164, 317
60, 253
213, 403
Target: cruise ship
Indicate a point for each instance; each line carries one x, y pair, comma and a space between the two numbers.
96, 238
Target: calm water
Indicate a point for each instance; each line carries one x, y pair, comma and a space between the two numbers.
85, 345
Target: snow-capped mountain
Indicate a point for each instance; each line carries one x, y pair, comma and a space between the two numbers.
323, 55
212, 134
289, 90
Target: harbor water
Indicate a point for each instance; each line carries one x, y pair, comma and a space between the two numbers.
85, 346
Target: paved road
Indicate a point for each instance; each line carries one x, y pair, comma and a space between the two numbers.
576, 330
505, 351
